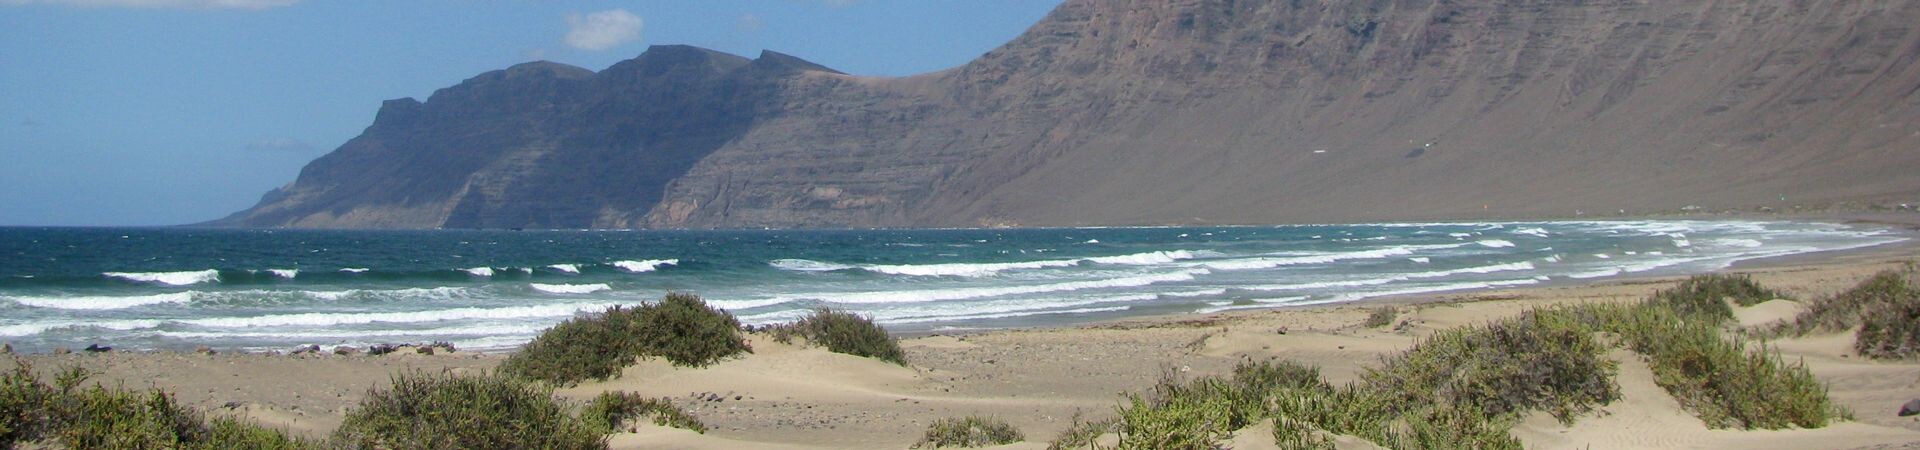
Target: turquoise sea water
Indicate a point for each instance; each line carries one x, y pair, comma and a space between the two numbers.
274, 289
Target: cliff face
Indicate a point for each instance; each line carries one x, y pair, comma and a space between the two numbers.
1195, 111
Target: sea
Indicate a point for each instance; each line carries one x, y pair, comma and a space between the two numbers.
253, 290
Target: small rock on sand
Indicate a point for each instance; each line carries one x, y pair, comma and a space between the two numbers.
97, 348
345, 350
204, 350
1911, 408
6, 348
61, 350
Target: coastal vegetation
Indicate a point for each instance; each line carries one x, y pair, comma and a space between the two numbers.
1465, 387
970, 431
72, 414
1381, 316
1884, 311
681, 328
439, 410
843, 332
610, 412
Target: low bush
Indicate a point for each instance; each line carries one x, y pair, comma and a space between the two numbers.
610, 411
1081, 433
67, 415
594, 346
1544, 360
971, 431
844, 332
1885, 308
680, 328
687, 332
1706, 296
1381, 316
1723, 381
427, 410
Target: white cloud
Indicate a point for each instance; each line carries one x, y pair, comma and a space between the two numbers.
602, 30
160, 4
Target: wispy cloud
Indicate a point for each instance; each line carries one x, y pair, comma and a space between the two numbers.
159, 4
602, 30
280, 145
749, 24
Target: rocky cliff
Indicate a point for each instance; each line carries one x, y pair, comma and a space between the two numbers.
1175, 111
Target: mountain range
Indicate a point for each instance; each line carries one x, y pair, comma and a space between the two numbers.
1148, 112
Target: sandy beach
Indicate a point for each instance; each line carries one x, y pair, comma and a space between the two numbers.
786, 396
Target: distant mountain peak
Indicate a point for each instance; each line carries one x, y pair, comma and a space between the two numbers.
770, 60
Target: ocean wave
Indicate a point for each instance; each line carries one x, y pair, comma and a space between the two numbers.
482, 272
1006, 315
284, 273
807, 265
102, 302
1323, 258
1735, 242
646, 265
169, 278
355, 270
570, 288
1495, 243
1519, 266
567, 268
331, 319
933, 295
318, 334
1347, 297
987, 269
1257, 303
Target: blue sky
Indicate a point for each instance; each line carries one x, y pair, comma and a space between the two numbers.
158, 112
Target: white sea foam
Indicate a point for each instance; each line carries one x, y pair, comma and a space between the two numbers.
1196, 293
1602, 256
570, 288
102, 302
645, 265
1495, 243
322, 333
1009, 315
284, 273
1269, 263
169, 278
988, 269
1421, 259
1519, 266
567, 268
1257, 303
1735, 242
807, 265
1682, 242
1534, 231
354, 270
331, 319
33, 328
1432, 289
1460, 235
1552, 258
480, 271
933, 295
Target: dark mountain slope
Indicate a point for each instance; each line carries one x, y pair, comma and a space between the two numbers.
1147, 112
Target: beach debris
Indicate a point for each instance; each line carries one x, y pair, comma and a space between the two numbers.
380, 349
97, 348
345, 350
1911, 408
204, 350
61, 350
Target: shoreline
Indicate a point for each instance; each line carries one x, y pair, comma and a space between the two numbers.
1037, 378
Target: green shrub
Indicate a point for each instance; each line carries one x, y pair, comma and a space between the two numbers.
972, 431
1081, 433
1706, 296
1891, 332
68, 415
1885, 307
609, 411
1289, 434
424, 410
594, 346
684, 330
844, 332
1182, 422
680, 328
1544, 360
1382, 316
1722, 381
